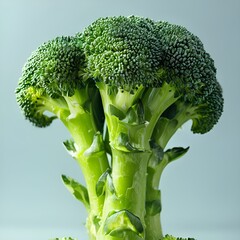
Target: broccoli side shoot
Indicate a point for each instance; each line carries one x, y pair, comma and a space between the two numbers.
51, 73
52, 86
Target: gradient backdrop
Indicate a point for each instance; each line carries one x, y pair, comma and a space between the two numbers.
201, 192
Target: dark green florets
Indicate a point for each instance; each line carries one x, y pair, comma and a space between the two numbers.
122, 51
185, 57
191, 70
126, 52
209, 112
52, 71
55, 66
33, 104
130, 51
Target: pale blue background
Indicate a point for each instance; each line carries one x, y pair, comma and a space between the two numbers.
201, 192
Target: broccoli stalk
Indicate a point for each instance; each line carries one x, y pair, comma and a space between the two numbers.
87, 148
122, 88
131, 119
126, 183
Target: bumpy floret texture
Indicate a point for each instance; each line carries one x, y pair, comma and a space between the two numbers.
31, 101
52, 71
192, 71
55, 67
186, 59
126, 52
131, 51
209, 112
122, 51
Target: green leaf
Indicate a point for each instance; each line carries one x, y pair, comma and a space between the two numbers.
101, 183
64, 238
135, 114
153, 207
70, 147
104, 181
163, 126
96, 221
116, 112
110, 184
136, 222
170, 112
106, 139
119, 223
77, 189
69, 144
175, 153
96, 146
125, 145
157, 152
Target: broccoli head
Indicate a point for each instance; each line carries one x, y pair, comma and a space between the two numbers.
51, 73
129, 53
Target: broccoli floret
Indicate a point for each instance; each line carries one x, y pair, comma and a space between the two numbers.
122, 87
185, 56
65, 238
168, 237
51, 73
122, 52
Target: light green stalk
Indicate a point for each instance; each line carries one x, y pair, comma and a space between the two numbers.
88, 151
124, 207
164, 130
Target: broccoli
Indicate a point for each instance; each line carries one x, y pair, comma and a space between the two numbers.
122, 88
168, 237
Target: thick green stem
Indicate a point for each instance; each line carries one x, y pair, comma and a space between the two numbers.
126, 190
93, 166
124, 207
131, 127
90, 153
153, 227
92, 160
153, 198
77, 115
164, 131
156, 101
